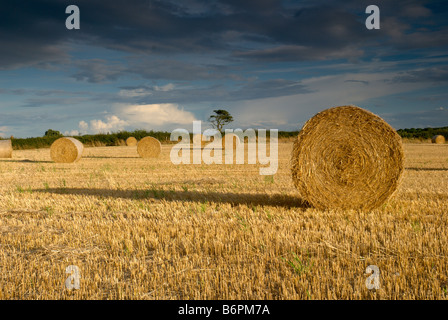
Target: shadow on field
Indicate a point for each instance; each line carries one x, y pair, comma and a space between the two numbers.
27, 161
426, 169
234, 199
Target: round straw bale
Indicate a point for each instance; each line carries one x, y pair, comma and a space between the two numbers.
439, 139
149, 147
5, 149
66, 150
131, 141
348, 158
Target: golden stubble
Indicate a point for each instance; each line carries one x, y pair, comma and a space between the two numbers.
147, 229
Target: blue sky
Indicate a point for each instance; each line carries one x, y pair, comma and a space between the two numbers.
145, 64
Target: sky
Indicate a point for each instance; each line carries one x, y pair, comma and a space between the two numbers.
160, 65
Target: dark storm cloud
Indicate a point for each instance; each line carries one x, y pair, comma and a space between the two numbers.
25, 119
32, 32
419, 119
50, 97
53, 101
153, 27
249, 91
434, 74
303, 53
18, 92
358, 81
170, 69
270, 88
97, 70
102, 70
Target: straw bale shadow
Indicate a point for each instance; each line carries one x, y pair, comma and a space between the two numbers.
426, 169
26, 161
234, 199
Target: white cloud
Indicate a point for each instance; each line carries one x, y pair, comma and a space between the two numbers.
83, 125
112, 124
165, 88
71, 133
156, 115
164, 116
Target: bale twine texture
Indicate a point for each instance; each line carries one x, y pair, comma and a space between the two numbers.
66, 150
347, 158
149, 147
5, 149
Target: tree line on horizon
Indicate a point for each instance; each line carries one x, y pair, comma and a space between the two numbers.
119, 138
106, 139
218, 120
423, 133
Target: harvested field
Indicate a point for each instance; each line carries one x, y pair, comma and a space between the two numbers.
153, 230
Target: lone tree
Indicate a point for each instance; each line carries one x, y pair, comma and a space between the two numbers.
220, 119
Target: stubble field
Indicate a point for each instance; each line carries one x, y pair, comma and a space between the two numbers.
148, 229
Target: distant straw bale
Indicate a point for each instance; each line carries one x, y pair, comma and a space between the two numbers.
131, 142
348, 158
5, 149
439, 139
66, 150
149, 147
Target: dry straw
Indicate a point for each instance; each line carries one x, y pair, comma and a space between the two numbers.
5, 149
347, 157
131, 141
66, 150
199, 139
149, 147
234, 140
438, 139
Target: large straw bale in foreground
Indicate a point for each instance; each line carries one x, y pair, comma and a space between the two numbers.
66, 150
131, 142
149, 147
348, 158
5, 149
438, 139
